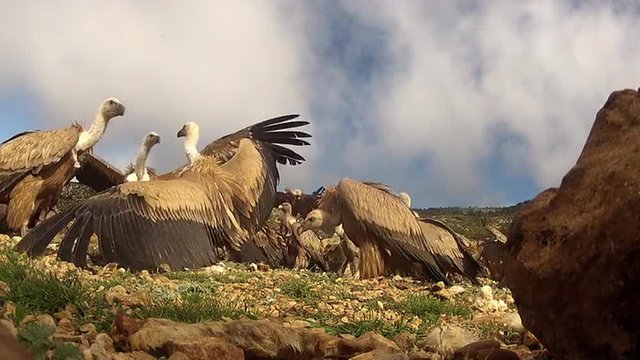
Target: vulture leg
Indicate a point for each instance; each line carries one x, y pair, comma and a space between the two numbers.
74, 156
23, 230
371, 260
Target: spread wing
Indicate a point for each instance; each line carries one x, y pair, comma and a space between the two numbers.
141, 225
382, 213
268, 133
97, 173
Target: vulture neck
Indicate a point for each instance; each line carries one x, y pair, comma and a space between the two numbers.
141, 161
330, 220
88, 138
191, 149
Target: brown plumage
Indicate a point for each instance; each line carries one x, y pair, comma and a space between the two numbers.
35, 165
301, 203
220, 199
268, 246
447, 246
309, 247
100, 175
386, 232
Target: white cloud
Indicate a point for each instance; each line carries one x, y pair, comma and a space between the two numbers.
446, 86
538, 69
224, 65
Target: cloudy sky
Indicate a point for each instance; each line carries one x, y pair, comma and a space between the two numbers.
456, 102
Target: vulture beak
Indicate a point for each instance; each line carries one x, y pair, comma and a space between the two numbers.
280, 206
121, 109
182, 132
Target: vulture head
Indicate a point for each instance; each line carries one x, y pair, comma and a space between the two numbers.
286, 208
189, 130
297, 193
319, 218
406, 199
152, 138
111, 108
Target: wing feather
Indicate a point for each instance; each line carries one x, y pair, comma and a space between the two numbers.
31, 151
141, 225
382, 213
98, 173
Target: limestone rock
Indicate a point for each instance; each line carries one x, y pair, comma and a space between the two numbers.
203, 349
573, 253
380, 355
448, 338
11, 348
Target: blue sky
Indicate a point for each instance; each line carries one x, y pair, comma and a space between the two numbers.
456, 102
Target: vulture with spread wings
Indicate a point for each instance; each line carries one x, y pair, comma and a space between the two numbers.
219, 199
384, 229
35, 165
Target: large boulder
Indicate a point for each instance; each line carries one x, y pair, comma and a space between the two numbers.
573, 254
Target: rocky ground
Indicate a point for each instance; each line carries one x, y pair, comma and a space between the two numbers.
59, 311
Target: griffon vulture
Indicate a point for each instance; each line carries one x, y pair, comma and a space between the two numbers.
308, 244
341, 254
446, 246
217, 201
387, 234
35, 165
100, 175
139, 171
301, 203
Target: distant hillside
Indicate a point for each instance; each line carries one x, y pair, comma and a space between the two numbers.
469, 221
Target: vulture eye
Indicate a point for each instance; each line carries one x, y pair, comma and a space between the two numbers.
111, 102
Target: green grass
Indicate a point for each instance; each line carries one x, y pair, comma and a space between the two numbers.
299, 289
36, 338
192, 307
429, 309
38, 291
203, 277
358, 328
67, 351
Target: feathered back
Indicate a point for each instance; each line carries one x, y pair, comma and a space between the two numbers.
31, 151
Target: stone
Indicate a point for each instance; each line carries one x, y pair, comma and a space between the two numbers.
446, 339
418, 354
381, 355
206, 348
9, 327
46, 319
135, 355
406, 341
572, 252
451, 291
11, 348
65, 326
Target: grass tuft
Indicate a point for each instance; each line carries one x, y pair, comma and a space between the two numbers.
191, 307
36, 337
299, 289
36, 290
67, 351
429, 309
